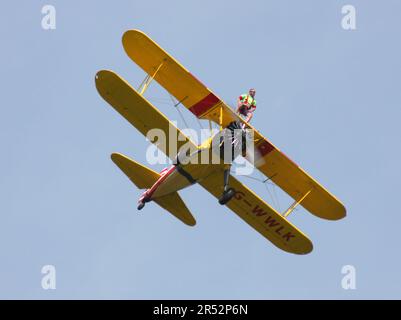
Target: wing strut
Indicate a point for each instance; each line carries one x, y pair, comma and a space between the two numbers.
295, 204
148, 79
221, 118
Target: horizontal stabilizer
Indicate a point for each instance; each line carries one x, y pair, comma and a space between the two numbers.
144, 178
140, 175
176, 206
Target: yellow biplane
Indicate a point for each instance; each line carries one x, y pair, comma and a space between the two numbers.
214, 177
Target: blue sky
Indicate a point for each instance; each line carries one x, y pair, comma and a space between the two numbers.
329, 98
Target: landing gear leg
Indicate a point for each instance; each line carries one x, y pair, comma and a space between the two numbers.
228, 193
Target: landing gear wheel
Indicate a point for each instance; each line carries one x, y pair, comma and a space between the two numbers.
227, 196
141, 205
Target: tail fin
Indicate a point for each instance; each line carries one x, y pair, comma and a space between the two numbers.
144, 178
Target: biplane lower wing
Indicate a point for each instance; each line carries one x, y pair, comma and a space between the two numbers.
259, 215
296, 182
140, 112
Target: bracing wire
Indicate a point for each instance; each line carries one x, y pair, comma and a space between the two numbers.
176, 105
200, 124
273, 195
253, 178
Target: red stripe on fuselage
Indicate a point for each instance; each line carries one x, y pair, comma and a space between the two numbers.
164, 174
204, 105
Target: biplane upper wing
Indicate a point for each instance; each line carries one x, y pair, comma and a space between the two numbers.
204, 104
260, 215
139, 112
171, 75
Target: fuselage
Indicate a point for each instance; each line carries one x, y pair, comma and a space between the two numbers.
181, 175
209, 158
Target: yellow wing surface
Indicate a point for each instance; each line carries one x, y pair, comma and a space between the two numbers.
296, 182
169, 73
259, 215
204, 104
139, 112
